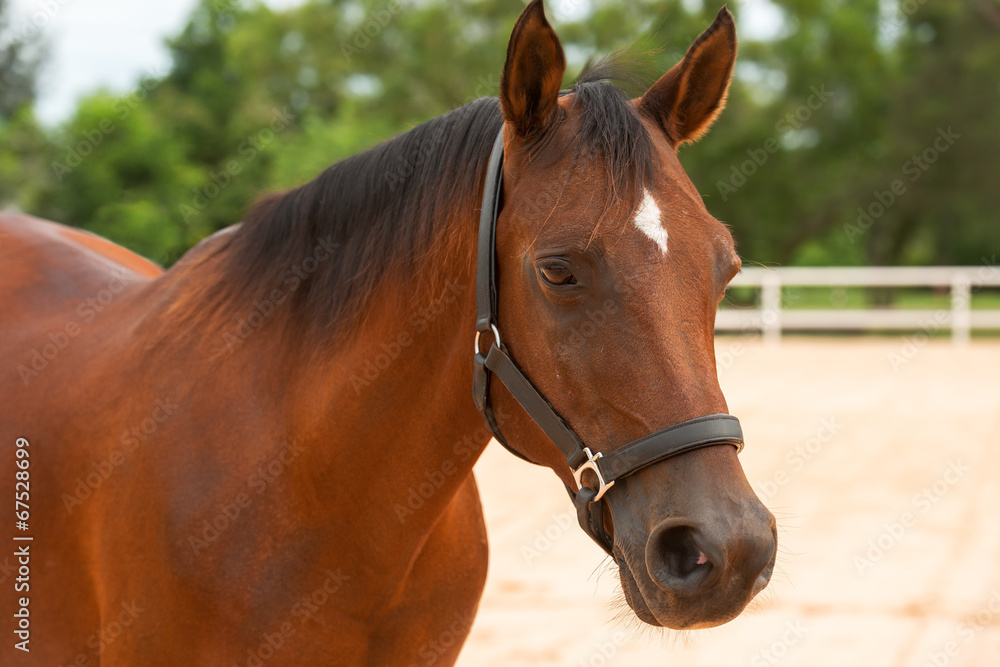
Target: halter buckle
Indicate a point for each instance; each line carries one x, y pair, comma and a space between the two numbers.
591, 464
496, 337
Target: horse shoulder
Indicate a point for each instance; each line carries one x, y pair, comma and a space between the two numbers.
437, 603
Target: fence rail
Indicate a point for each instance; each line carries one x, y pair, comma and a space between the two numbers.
771, 319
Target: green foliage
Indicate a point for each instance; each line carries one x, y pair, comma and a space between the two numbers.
823, 118
899, 76
23, 146
21, 54
118, 169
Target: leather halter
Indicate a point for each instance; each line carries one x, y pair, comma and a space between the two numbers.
719, 429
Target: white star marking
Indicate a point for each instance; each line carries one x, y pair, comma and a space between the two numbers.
647, 219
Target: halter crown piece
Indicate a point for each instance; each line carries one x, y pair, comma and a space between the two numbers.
692, 434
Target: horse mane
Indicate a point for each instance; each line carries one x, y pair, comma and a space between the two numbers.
384, 209
610, 126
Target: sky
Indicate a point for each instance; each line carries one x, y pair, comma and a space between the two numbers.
100, 44
97, 43
113, 43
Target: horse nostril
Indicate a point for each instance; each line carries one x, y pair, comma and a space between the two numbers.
675, 560
681, 556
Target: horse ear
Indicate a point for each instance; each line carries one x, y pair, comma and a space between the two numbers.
533, 72
687, 99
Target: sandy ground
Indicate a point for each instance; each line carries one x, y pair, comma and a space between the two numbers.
888, 433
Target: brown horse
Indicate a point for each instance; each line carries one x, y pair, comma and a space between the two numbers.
265, 453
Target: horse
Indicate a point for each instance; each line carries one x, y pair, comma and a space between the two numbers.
265, 452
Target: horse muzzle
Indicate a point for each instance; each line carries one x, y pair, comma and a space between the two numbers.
689, 572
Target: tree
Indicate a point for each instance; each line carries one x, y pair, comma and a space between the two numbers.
21, 54
22, 142
943, 138
119, 170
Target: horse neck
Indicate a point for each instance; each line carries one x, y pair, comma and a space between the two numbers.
380, 406
390, 407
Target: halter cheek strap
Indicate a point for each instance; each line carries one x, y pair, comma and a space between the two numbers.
674, 440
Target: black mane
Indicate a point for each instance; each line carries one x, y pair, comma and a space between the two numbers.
384, 208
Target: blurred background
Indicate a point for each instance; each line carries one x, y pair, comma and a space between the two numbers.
831, 103
860, 135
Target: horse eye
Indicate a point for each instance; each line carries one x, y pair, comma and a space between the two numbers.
557, 274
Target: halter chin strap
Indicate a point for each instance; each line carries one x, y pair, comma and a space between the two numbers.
607, 468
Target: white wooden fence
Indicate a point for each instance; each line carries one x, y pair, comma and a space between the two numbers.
770, 319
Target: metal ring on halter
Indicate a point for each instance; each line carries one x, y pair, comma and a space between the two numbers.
496, 337
591, 464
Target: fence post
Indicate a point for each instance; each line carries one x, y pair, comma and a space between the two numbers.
770, 306
961, 317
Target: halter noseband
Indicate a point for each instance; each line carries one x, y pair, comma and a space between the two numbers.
719, 429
